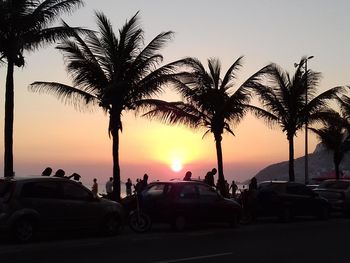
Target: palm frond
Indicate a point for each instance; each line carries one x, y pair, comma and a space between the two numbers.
170, 112
67, 94
230, 74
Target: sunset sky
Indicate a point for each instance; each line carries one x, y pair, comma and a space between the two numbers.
48, 133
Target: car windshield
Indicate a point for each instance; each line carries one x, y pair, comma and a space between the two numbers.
5, 188
340, 185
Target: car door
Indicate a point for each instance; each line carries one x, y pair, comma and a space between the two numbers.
44, 197
303, 199
154, 202
82, 209
187, 202
212, 207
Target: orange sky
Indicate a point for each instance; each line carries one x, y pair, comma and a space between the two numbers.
50, 133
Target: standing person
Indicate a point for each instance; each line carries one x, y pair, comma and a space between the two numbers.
144, 182
94, 188
47, 171
209, 177
188, 176
234, 188
128, 185
109, 188
251, 201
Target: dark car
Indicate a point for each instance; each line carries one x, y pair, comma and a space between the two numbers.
288, 199
32, 204
185, 202
337, 192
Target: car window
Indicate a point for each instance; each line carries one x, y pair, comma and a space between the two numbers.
297, 189
188, 191
72, 191
154, 190
206, 192
48, 190
339, 185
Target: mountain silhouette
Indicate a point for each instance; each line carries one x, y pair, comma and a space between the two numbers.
320, 163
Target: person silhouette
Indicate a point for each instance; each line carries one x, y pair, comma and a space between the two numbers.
47, 171
209, 177
75, 176
94, 188
128, 185
59, 173
187, 176
109, 188
234, 188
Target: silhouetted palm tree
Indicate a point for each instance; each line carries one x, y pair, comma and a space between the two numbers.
112, 72
335, 137
208, 102
284, 97
25, 26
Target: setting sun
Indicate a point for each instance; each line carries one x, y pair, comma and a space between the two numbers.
176, 165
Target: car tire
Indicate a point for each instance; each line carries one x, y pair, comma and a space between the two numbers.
23, 230
179, 223
112, 225
139, 222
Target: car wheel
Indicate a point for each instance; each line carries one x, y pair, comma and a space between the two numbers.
179, 223
112, 225
285, 215
23, 230
139, 222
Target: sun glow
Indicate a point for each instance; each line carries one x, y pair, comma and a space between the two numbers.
176, 165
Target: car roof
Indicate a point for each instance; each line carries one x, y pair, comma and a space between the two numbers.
31, 178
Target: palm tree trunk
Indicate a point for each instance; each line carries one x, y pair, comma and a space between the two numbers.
221, 177
9, 113
291, 158
337, 159
116, 168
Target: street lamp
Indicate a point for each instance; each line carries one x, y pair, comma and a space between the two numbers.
304, 63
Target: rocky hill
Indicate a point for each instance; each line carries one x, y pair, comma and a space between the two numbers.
320, 162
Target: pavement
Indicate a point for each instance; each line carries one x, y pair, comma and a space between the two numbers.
304, 240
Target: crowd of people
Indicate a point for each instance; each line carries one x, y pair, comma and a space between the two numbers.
247, 197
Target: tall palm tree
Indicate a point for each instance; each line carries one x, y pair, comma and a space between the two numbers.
115, 73
334, 135
25, 25
209, 102
284, 97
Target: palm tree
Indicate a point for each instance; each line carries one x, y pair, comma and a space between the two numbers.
334, 135
284, 97
113, 73
209, 102
25, 26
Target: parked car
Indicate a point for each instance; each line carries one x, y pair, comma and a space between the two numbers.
337, 192
182, 202
288, 199
32, 204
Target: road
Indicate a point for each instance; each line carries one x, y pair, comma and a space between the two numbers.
301, 241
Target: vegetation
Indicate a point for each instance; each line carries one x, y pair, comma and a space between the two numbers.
115, 73
209, 102
25, 25
284, 97
334, 135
